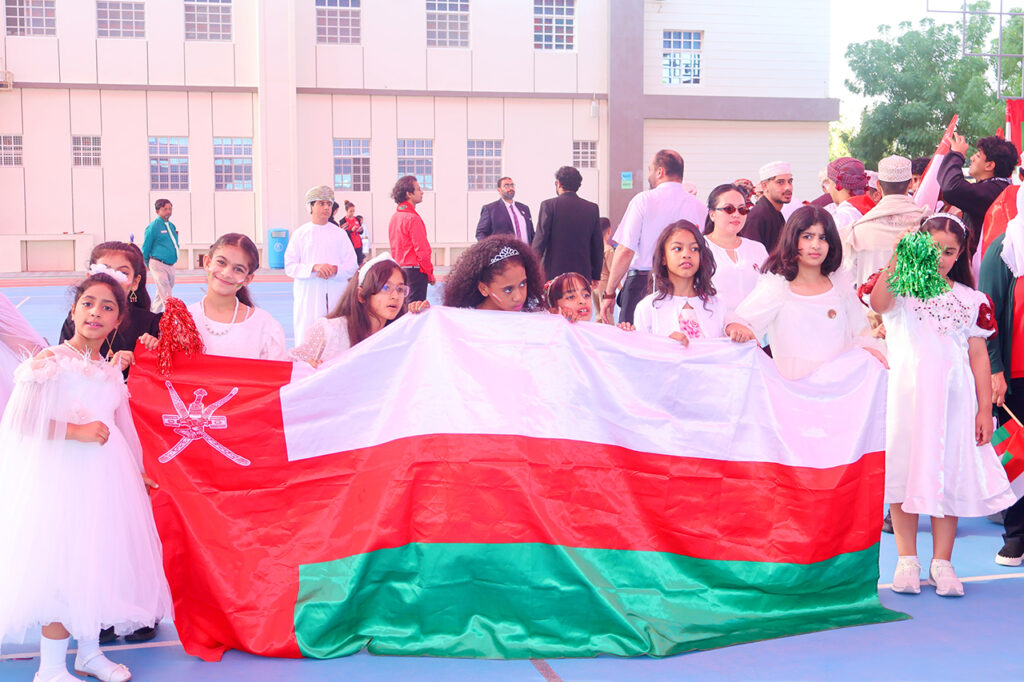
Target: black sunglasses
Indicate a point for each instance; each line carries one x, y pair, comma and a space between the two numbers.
730, 209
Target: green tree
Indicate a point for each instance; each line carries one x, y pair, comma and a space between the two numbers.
1013, 43
920, 79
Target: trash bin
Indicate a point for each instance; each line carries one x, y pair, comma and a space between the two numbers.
277, 242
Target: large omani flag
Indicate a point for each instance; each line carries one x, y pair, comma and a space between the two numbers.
487, 484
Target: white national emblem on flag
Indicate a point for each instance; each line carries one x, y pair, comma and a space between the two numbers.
192, 421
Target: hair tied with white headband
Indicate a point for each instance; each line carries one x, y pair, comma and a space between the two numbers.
103, 269
379, 258
952, 217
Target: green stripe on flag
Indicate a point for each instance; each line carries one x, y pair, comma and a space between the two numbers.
537, 600
999, 435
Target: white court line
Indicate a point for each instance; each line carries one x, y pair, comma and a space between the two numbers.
969, 579
116, 647
22, 301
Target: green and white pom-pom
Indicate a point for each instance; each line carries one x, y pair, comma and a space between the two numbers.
917, 268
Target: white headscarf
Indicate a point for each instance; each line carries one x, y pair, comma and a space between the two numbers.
1013, 242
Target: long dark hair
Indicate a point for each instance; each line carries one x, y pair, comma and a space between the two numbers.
474, 266
961, 270
115, 288
252, 255
709, 224
705, 271
355, 311
134, 256
783, 259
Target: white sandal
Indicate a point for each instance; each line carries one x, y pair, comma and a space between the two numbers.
102, 668
62, 676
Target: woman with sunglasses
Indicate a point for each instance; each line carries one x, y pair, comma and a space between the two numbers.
739, 260
376, 296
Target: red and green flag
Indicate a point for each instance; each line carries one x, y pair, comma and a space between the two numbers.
1008, 442
478, 484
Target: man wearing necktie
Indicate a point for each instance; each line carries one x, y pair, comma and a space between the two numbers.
505, 216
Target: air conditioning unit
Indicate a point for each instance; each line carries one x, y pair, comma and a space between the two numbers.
6, 81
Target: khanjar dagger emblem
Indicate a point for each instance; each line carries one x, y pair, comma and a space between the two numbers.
192, 421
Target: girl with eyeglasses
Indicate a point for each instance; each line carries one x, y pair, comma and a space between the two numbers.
738, 260
376, 296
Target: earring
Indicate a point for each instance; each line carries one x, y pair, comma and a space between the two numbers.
132, 297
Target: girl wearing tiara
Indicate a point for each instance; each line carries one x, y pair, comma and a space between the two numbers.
683, 305
497, 273
124, 263
938, 460
80, 548
807, 307
226, 318
376, 296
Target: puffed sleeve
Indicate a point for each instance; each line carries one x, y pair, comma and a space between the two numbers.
312, 347
985, 322
273, 344
759, 309
32, 415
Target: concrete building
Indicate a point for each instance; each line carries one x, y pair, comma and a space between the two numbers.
232, 108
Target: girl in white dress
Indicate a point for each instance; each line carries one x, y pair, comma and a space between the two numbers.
376, 296
938, 460
80, 548
226, 318
738, 261
683, 305
808, 308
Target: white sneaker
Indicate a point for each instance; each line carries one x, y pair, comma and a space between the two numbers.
907, 579
945, 580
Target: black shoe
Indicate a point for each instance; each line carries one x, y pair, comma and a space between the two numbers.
887, 523
142, 634
1012, 553
107, 635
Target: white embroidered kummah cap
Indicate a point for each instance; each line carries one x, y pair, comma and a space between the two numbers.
320, 193
770, 170
894, 169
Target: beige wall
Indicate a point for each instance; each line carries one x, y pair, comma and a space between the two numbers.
715, 152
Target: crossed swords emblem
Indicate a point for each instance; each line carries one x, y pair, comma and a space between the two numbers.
191, 423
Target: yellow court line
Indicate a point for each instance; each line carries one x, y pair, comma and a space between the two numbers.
971, 579
115, 647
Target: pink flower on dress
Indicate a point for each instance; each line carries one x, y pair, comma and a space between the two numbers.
688, 323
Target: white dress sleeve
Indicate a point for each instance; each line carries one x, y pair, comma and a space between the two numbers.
273, 340
314, 342
760, 308
31, 416
643, 315
982, 314
856, 312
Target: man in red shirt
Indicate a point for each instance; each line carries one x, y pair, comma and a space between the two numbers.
408, 237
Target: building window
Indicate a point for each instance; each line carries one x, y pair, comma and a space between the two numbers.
416, 157
10, 150
338, 21
232, 163
553, 24
447, 23
120, 19
584, 154
207, 19
85, 150
483, 163
168, 163
680, 57
352, 165
31, 18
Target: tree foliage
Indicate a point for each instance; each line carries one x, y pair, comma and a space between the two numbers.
920, 78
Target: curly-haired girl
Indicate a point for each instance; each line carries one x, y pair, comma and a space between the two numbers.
497, 273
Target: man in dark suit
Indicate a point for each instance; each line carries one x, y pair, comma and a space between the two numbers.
568, 235
505, 216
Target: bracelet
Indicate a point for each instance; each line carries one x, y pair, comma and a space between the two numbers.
607, 297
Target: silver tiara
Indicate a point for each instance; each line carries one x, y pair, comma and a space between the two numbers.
951, 217
506, 252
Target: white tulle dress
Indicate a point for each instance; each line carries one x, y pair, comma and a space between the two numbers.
932, 462
78, 544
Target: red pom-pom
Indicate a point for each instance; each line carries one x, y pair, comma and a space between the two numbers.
986, 318
868, 286
178, 334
